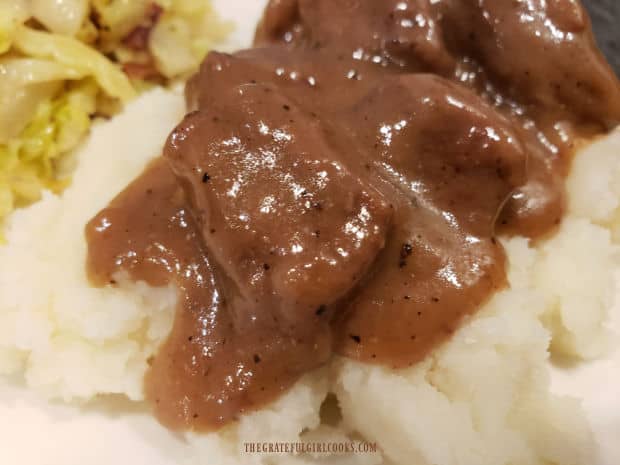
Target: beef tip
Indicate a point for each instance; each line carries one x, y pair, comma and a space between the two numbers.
273, 181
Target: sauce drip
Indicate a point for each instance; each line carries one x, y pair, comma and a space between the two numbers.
339, 188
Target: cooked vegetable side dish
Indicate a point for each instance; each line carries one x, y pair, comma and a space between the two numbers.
390, 223
64, 62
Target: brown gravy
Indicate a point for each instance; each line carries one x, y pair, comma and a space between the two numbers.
339, 188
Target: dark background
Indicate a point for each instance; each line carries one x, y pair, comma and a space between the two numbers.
605, 16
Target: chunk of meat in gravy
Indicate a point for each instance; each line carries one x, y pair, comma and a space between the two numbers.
339, 188
453, 161
537, 52
210, 370
442, 146
393, 32
540, 53
286, 221
540, 56
536, 61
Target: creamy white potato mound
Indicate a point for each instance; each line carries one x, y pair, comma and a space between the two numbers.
482, 398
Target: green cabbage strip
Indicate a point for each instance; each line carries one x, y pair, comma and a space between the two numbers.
70, 52
28, 163
51, 84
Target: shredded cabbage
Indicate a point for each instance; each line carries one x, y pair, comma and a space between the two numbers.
72, 53
118, 18
28, 162
24, 84
177, 42
61, 16
12, 13
64, 61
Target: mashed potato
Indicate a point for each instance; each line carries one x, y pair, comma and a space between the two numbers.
482, 398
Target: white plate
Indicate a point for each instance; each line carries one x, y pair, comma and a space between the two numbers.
34, 432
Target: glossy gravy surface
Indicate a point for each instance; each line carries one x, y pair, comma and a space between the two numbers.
339, 188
